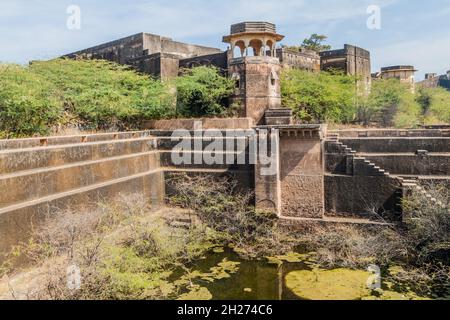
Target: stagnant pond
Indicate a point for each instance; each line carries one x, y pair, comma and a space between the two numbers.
286, 280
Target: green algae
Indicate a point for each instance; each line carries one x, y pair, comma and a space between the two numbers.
218, 250
342, 284
292, 257
197, 293
223, 270
338, 284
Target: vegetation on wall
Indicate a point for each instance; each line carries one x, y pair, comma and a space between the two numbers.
315, 43
89, 94
26, 103
390, 103
334, 98
202, 91
102, 94
95, 94
319, 97
435, 103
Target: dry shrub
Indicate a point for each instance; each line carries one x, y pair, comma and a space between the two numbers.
354, 246
123, 249
421, 245
223, 206
428, 224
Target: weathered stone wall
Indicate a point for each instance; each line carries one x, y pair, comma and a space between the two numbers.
162, 65
398, 145
267, 173
417, 165
206, 123
351, 60
41, 177
148, 53
219, 60
301, 174
119, 51
304, 60
360, 195
258, 80
405, 156
434, 82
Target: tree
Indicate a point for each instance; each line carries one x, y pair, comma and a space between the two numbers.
390, 103
202, 91
435, 103
315, 43
319, 97
91, 94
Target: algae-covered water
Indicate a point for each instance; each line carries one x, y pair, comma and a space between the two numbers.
291, 277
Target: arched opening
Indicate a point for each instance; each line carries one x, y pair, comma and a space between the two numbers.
237, 80
270, 48
239, 49
273, 78
257, 46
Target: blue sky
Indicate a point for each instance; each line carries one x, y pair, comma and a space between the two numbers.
412, 32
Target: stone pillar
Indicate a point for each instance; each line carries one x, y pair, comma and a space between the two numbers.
302, 171
289, 180
267, 171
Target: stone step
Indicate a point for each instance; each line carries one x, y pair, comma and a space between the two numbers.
230, 144
198, 133
226, 160
42, 182
398, 144
411, 164
33, 213
8, 144
16, 160
409, 186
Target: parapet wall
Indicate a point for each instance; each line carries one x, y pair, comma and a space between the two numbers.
398, 144
203, 123
386, 133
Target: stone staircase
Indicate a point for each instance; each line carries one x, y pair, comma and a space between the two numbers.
359, 165
410, 186
356, 165
43, 176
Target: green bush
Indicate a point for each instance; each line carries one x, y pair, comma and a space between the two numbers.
102, 94
319, 97
27, 103
390, 103
435, 103
202, 91
91, 94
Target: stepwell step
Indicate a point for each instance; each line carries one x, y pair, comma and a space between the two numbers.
27, 185
78, 191
6, 144
16, 160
